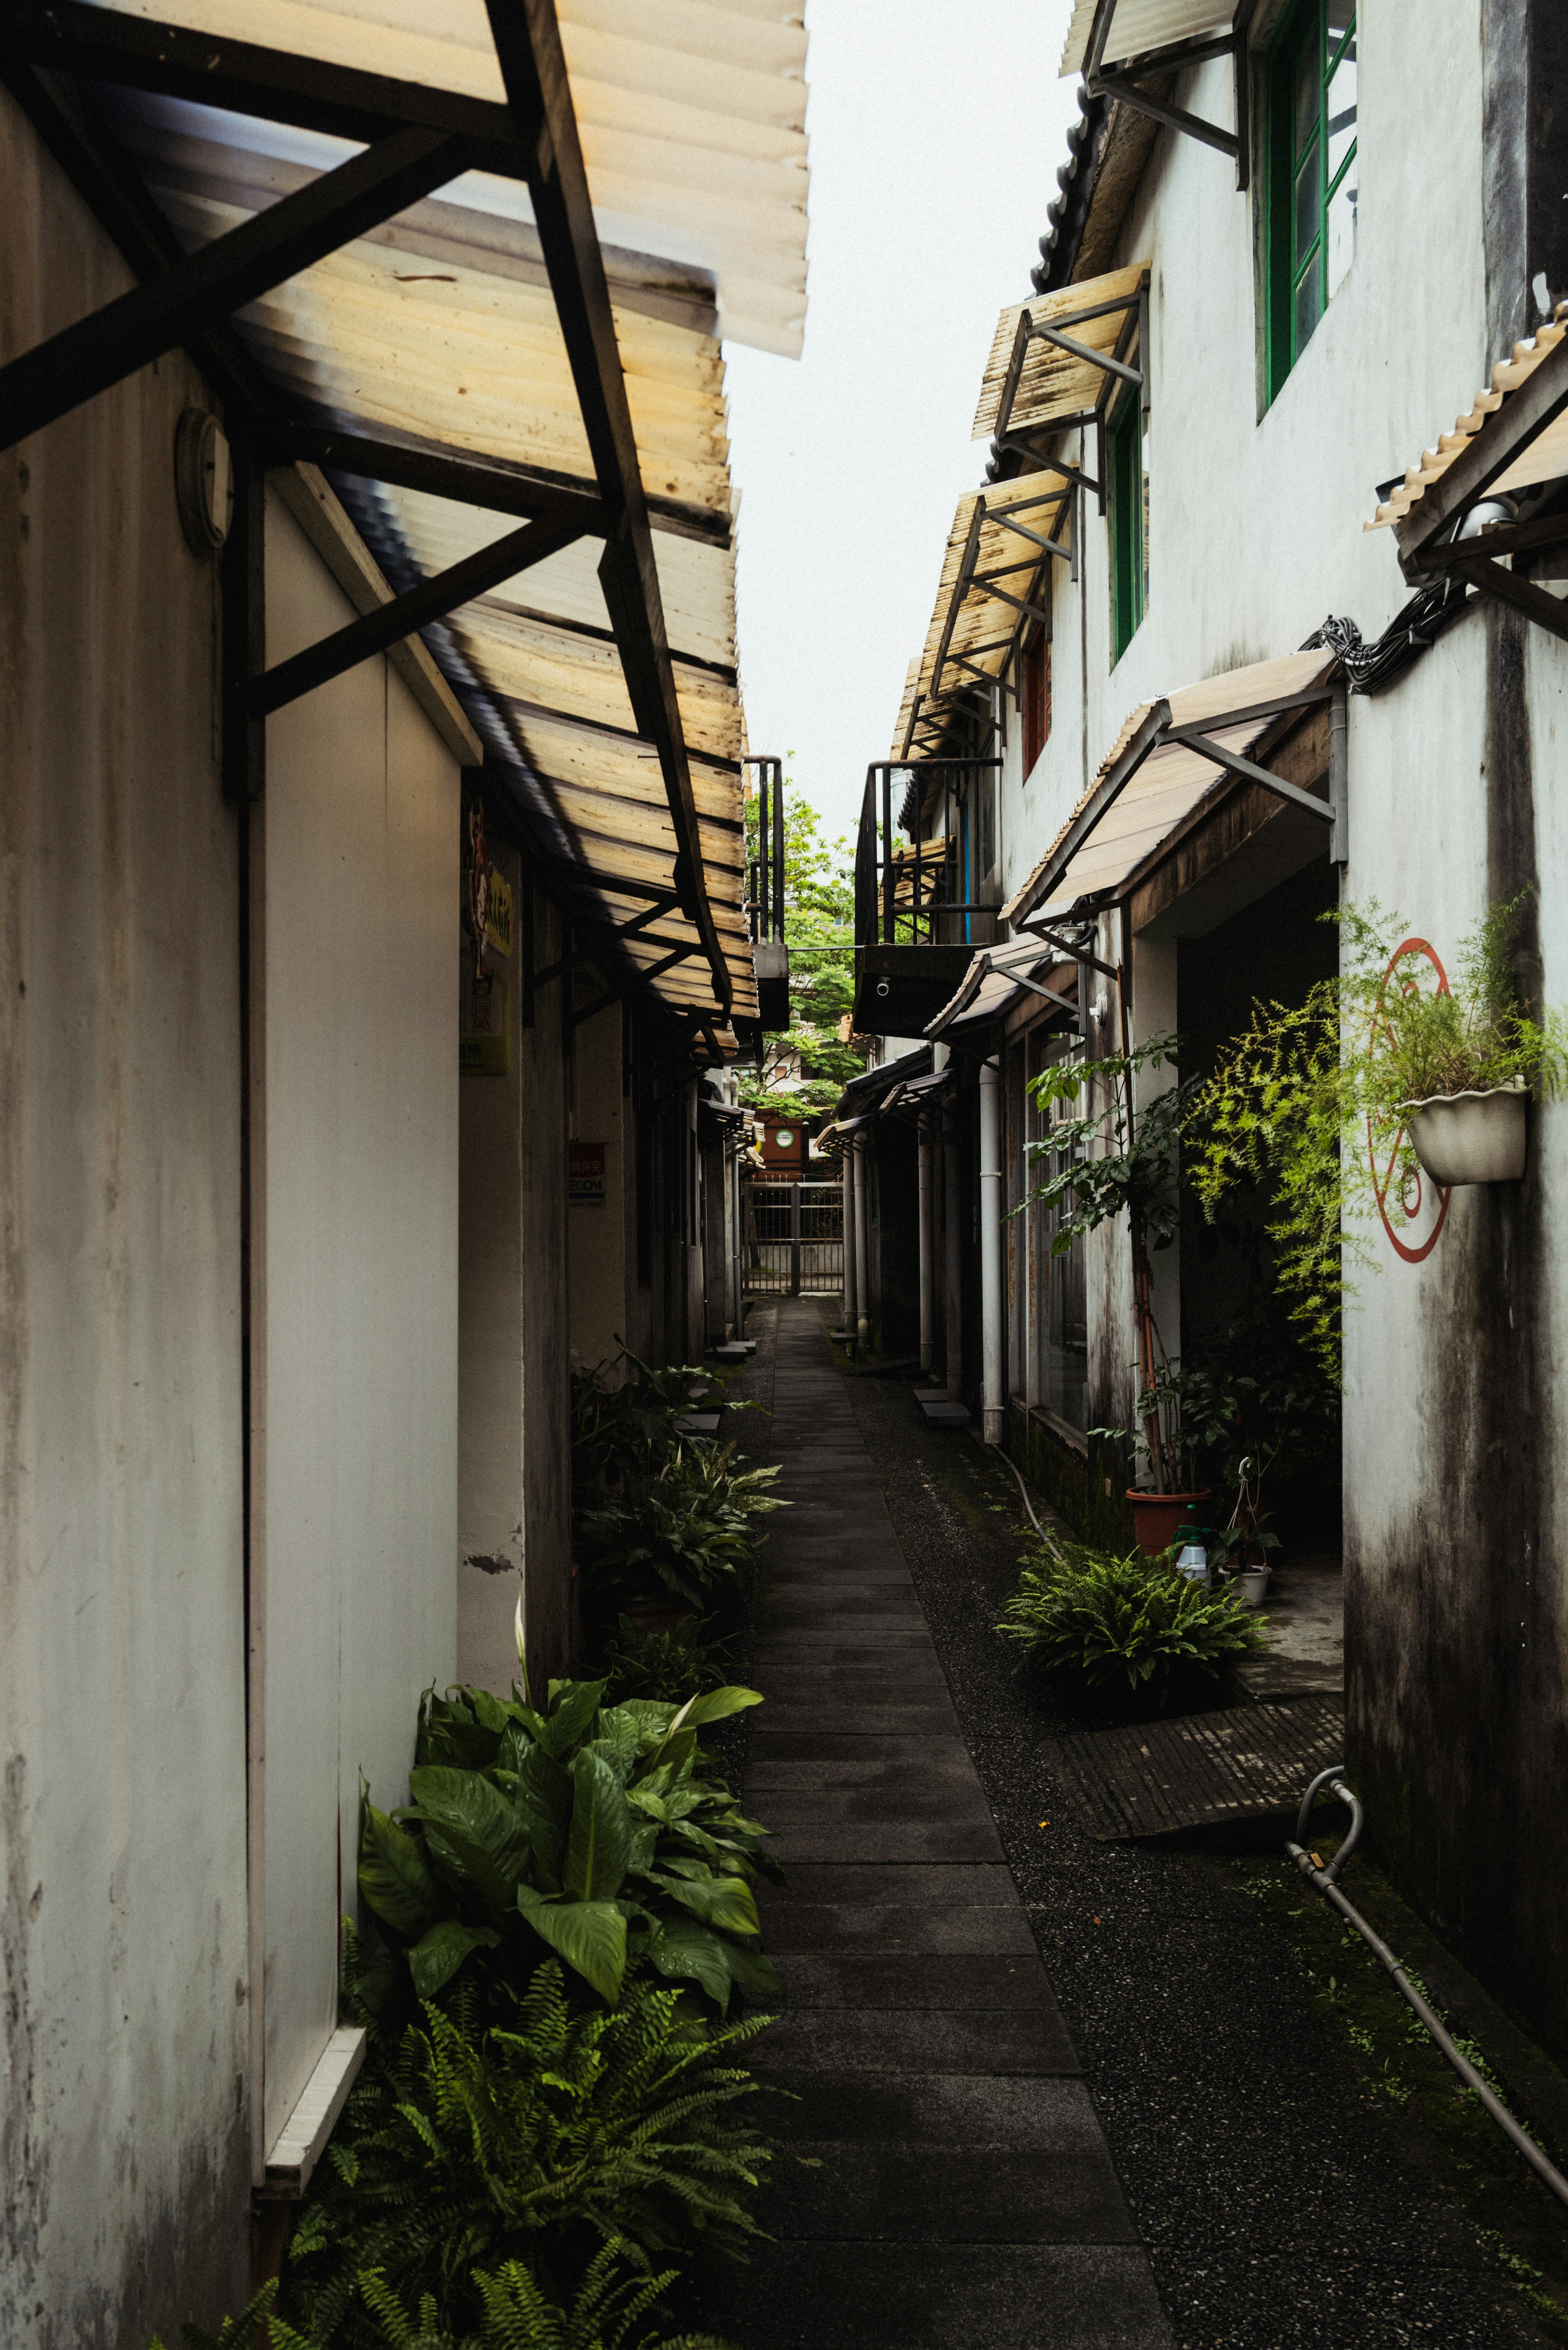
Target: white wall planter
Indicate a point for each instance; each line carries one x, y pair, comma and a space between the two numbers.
1471, 1138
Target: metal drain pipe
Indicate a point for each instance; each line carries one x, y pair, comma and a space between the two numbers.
1324, 1880
993, 1418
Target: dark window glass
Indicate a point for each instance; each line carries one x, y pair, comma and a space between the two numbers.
1128, 516
1037, 690
1312, 179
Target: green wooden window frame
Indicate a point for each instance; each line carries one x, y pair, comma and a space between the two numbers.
1311, 174
1127, 515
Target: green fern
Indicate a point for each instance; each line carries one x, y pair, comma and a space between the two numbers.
470, 2149
616, 2295
1133, 1620
235, 2333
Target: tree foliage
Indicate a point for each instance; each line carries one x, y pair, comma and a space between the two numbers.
819, 925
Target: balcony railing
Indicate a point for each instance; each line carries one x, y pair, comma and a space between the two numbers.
919, 892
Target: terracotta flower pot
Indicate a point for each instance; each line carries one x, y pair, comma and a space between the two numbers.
1156, 1516
1471, 1138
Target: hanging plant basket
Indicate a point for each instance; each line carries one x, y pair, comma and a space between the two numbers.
1470, 1138
1156, 1516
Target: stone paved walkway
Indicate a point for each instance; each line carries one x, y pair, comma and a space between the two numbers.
964, 2195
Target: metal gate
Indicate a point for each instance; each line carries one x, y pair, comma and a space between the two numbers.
794, 1239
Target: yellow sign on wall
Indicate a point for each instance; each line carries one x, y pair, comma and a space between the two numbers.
484, 1037
498, 914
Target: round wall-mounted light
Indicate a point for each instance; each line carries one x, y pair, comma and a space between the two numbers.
203, 481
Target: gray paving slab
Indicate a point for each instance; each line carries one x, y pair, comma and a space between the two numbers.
887, 1706
957, 2188
887, 1840
801, 2293
968, 1884
912, 1802
828, 1927
988, 2195
773, 1750
1023, 2041
946, 1759
976, 1982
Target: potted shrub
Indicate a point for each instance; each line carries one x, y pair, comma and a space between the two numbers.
1118, 1163
1456, 1060
1435, 1073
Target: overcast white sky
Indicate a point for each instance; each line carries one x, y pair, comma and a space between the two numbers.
936, 129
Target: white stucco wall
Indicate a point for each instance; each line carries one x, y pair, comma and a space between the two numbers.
123, 2160
355, 1163
1256, 523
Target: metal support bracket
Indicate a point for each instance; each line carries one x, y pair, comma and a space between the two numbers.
1125, 81
433, 599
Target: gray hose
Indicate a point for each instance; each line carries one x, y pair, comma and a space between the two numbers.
1048, 1539
1324, 1879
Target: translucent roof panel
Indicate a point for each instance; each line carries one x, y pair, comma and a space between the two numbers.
691, 115
1172, 784
990, 574
1140, 24
1053, 384
438, 331
1543, 460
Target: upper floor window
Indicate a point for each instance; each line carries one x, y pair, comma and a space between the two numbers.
1128, 512
1036, 697
1312, 176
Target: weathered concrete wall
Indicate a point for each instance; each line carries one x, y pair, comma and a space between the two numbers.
547, 1321
1458, 1614
354, 1138
1255, 521
1455, 1591
124, 2165
597, 1235
490, 1500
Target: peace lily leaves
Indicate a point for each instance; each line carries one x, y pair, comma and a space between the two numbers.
437, 1956
715, 1707
589, 1934
470, 1826
395, 1879
596, 1829
601, 1841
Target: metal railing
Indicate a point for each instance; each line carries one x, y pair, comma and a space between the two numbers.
794, 1239
917, 892
765, 870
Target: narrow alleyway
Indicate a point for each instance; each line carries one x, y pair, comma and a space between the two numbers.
963, 2192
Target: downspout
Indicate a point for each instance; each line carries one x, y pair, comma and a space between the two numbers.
862, 1285
928, 1251
851, 1292
993, 1418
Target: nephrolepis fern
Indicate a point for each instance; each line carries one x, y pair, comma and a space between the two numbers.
616, 2295
470, 2149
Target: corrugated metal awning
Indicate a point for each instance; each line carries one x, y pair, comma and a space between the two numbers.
1001, 541
434, 335
1141, 25
1153, 781
1543, 459
1042, 384
1000, 977
691, 116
